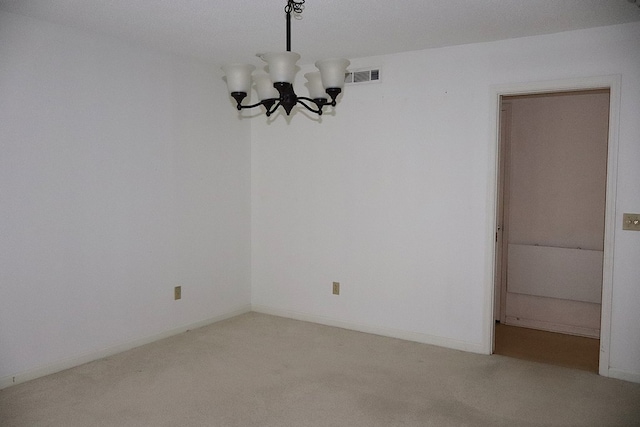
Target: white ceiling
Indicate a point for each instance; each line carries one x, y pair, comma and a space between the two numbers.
223, 31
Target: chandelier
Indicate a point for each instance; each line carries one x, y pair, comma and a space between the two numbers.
276, 88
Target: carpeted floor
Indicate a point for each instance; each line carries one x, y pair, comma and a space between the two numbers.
259, 370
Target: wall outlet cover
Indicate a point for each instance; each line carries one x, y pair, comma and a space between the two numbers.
631, 222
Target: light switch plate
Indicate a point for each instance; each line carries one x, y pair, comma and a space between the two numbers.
631, 222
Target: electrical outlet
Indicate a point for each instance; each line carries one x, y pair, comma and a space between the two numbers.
631, 222
336, 288
177, 292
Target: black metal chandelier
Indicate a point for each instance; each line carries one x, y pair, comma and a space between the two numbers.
276, 88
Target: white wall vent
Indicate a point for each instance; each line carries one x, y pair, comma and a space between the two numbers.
370, 75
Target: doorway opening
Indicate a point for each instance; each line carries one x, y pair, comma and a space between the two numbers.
550, 228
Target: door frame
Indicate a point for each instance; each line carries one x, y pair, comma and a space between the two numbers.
502, 203
611, 82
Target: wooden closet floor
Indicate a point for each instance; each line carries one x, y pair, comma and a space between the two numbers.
552, 348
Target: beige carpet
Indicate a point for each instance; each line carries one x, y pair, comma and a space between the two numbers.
259, 370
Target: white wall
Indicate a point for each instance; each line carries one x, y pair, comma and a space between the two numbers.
123, 174
394, 195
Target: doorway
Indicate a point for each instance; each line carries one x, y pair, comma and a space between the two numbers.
550, 228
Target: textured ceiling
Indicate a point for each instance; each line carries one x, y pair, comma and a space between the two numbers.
223, 31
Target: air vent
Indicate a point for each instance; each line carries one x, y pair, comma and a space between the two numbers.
363, 76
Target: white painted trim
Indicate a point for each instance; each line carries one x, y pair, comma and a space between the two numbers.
375, 330
492, 218
109, 351
619, 374
610, 226
530, 88
612, 82
553, 327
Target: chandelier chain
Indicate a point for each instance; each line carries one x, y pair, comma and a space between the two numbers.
294, 6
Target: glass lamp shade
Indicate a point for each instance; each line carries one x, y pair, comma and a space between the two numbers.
282, 66
314, 84
333, 71
238, 77
264, 87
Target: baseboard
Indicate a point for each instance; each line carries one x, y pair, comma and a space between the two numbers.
553, 327
619, 374
387, 332
109, 351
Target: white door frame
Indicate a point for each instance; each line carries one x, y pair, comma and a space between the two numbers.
602, 82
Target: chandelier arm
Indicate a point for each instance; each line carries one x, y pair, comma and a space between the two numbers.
320, 102
318, 111
333, 92
275, 107
268, 103
257, 104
